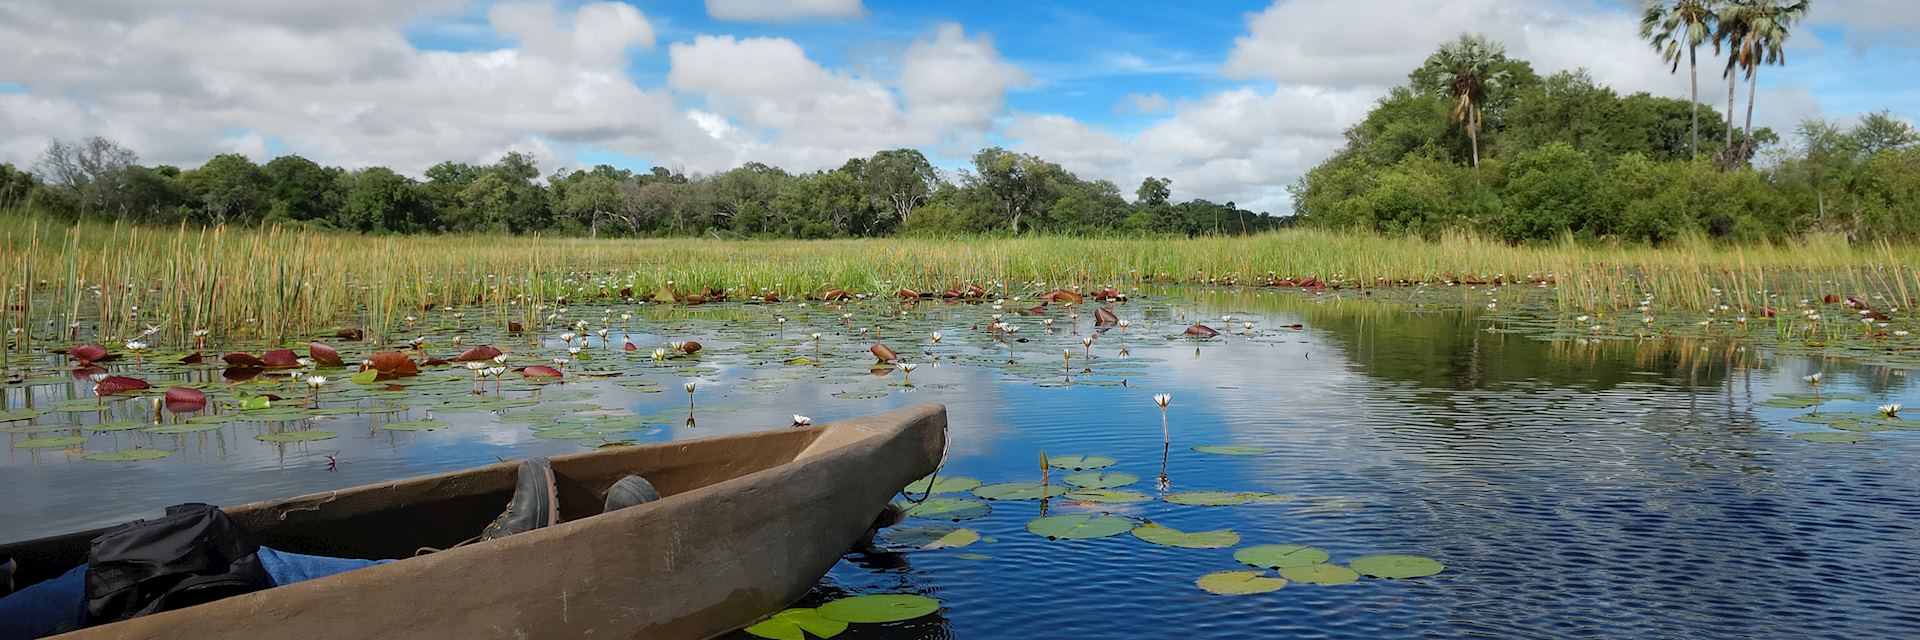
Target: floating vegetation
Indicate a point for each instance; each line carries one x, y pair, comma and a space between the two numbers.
51, 443
1018, 491
1278, 556
879, 608
954, 484
296, 436
926, 538
1240, 583
1396, 567
130, 455
795, 624
1080, 462
1101, 479
1079, 526
1320, 573
1832, 437
416, 425
942, 508
1106, 495
1170, 537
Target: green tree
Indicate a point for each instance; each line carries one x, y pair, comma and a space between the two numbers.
899, 180
1153, 192
1466, 70
92, 173
379, 200
1675, 27
228, 189
1755, 32
301, 189
1021, 184
1551, 190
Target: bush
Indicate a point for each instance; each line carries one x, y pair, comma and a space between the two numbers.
1550, 191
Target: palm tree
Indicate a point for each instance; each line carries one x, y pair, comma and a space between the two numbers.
1756, 33
1464, 70
1676, 26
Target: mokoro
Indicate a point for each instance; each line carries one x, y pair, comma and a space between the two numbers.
746, 525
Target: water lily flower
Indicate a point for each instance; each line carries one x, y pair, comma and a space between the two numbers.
659, 354
1813, 379
801, 421
1124, 324
1890, 410
1163, 399
936, 337
567, 337
316, 382
573, 351
500, 359
689, 387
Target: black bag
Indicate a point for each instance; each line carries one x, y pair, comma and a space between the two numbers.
193, 555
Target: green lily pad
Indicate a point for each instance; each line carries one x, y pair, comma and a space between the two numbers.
795, 624
1396, 566
1018, 491
189, 427
1239, 583
296, 436
933, 537
130, 455
859, 394
123, 425
1897, 423
1078, 463
1101, 479
938, 508
217, 418
1863, 427
973, 556
955, 484
1830, 418
1170, 537
11, 415
1789, 403
1079, 526
1280, 556
1320, 573
416, 425
1107, 495
1831, 437
1232, 450
886, 607
566, 433
51, 443
1209, 498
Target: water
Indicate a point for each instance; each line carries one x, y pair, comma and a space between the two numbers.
1610, 489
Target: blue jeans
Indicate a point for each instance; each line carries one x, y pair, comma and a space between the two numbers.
41, 609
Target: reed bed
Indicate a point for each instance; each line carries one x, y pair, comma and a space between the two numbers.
274, 283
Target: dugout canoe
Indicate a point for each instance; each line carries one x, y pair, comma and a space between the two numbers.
745, 526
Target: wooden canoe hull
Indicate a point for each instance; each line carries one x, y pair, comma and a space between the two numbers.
747, 525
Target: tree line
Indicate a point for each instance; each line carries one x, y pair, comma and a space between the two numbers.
1477, 141
891, 192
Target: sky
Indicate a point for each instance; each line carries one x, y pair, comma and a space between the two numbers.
1231, 99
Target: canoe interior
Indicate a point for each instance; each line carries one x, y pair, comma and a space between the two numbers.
394, 519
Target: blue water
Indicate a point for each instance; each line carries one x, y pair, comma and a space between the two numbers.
1622, 490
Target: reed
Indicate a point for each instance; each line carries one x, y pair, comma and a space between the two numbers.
274, 283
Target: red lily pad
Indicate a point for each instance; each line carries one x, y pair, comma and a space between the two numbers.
87, 371
884, 353
350, 333
392, 363
241, 374
243, 360
193, 358
541, 371
280, 359
477, 353
1105, 316
324, 353
120, 384
690, 347
185, 400
1201, 330
90, 353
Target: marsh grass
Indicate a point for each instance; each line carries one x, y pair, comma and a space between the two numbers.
275, 283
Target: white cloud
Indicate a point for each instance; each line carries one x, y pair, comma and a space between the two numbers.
783, 10
956, 81
1149, 103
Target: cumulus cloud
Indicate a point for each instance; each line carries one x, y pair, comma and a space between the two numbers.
783, 10
1142, 103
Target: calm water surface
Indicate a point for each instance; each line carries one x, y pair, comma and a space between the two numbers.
1619, 489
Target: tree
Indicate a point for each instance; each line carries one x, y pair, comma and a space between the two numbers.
15, 186
1465, 70
1880, 131
595, 198
229, 189
1153, 192
1677, 26
379, 200
301, 189
899, 179
1756, 33
1019, 183
93, 171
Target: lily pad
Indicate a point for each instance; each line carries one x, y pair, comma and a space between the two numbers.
1209, 498
1170, 537
1830, 418
416, 425
795, 624
1863, 427
1831, 437
1079, 463
1018, 491
123, 425
949, 509
1239, 583
11, 415
189, 427
1106, 495
1079, 526
885, 607
130, 455
296, 436
1396, 566
51, 443
954, 484
1232, 450
933, 537
1320, 573
1101, 479
1280, 556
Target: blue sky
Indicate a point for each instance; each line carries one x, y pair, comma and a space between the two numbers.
1230, 99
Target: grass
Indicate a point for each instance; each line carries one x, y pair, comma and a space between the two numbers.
274, 283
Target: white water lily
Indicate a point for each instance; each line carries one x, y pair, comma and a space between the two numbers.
476, 365
1124, 323
936, 337
97, 377
495, 372
1009, 328
689, 387
801, 421
1163, 399
1890, 410
659, 354
908, 367
316, 381
1087, 342
1812, 379
816, 337
136, 345
1047, 323
567, 337
573, 351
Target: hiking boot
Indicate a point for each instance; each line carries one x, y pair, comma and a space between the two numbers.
630, 491
535, 503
